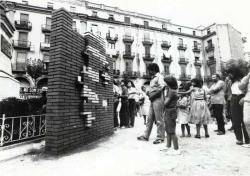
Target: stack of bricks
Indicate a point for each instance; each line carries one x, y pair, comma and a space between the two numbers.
80, 88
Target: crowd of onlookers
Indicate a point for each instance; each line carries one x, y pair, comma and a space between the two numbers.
164, 101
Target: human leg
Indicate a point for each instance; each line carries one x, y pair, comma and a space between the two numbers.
198, 127
206, 130
150, 122
188, 130
175, 141
218, 111
158, 114
183, 130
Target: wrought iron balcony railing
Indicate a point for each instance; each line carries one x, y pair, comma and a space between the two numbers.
211, 61
197, 62
182, 46
46, 28
116, 73
196, 49
209, 48
19, 67
112, 39
146, 75
44, 46
131, 74
183, 60
147, 41
165, 45
184, 77
148, 57
21, 44
166, 59
128, 55
23, 25
128, 39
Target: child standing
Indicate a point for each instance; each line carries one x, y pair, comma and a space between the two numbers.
170, 111
183, 105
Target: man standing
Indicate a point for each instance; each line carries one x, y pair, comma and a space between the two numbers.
218, 101
156, 108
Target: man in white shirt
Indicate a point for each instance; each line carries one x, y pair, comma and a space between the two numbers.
218, 101
156, 108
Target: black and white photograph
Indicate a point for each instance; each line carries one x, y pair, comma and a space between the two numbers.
124, 88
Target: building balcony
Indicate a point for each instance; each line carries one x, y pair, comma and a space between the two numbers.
207, 78
110, 39
197, 63
182, 47
128, 39
45, 47
196, 49
19, 67
116, 73
183, 60
198, 76
165, 45
23, 25
148, 57
184, 77
128, 55
115, 55
46, 28
147, 41
165, 59
211, 61
209, 48
21, 44
131, 74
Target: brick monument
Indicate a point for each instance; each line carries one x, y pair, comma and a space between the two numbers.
80, 88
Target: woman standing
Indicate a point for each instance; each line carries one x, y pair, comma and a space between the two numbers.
145, 104
132, 93
199, 112
124, 108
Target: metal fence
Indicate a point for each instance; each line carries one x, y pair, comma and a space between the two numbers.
21, 128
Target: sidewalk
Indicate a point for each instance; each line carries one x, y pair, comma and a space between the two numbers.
122, 155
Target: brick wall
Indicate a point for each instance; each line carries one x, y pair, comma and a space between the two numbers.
78, 112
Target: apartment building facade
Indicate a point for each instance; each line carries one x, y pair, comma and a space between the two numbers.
133, 40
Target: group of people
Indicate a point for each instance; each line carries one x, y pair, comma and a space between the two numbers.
165, 102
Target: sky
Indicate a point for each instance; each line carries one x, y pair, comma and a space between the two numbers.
193, 13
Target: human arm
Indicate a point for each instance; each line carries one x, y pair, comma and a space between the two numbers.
187, 92
244, 82
215, 89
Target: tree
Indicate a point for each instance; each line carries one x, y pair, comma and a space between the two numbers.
238, 68
35, 68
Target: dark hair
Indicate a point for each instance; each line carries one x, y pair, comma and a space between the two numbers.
187, 86
132, 84
171, 82
197, 82
153, 67
236, 73
217, 75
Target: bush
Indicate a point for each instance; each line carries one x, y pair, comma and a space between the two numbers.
17, 107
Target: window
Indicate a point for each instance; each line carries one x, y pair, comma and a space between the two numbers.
94, 13
209, 43
48, 21
127, 48
195, 44
24, 17
72, 9
147, 50
23, 36
166, 69
21, 57
111, 17
194, 33
94, 29
208, 31
25, 2
183, 70
179, 30
50, 5
127, 20
47, 38
180, 41
128, 66
74, 25
196, 58
146, 24
212, 69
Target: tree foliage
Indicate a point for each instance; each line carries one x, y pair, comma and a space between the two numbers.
35, 68
238, 68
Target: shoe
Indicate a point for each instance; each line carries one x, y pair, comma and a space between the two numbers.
207, 136
189, 135
197, 136
182, 136
158, 141
216, 130
142, 138
239, 143
230, 129
220, 133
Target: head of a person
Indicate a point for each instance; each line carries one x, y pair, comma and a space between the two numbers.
215, 77
171, 82
153, 68
130, 84
143, 88
235, 74
197, 82
123, 84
